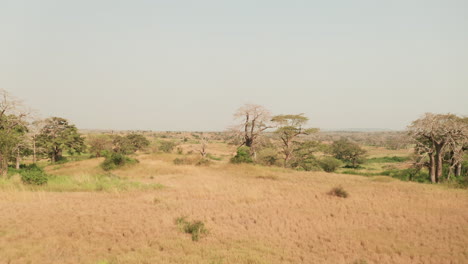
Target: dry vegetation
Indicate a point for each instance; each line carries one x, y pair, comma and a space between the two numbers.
253, 214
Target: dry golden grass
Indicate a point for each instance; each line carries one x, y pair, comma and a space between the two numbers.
254, 215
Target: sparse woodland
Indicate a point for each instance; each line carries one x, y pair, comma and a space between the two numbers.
269, 189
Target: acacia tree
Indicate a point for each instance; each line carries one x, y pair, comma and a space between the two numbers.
289, 127
348, 151
254, 121
58, 135
433, 135
12, 127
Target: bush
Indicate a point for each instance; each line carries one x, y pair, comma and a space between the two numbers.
329, 164
339, 192
195, 228
116, 160
33, 175
242, 156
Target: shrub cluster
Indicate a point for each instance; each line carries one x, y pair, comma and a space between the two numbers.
329, 164
339, 192
242, 156
33, 175
116, 160
195, 228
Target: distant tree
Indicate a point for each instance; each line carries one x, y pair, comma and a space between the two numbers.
289, 127
348, 151
122, 145
434, 135
203, 146
34, 130
254, 120
304, 158
12, 128
138, 141
58, 135
99, 144
167, 146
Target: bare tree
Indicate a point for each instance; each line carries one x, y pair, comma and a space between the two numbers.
434, 134
254, 119
204, 146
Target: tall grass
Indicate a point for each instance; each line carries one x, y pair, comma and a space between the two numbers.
78, 183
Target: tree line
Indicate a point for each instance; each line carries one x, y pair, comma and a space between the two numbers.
440, 141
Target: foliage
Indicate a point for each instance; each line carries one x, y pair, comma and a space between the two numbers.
394, 159
99, 145
116, 160
12, 132
437, 136
242, 156
138, 141
339, 192
303, 158
33, 175
167, 146
329, 164
195, 228
348, 151
267, 156
289, 127
58, 135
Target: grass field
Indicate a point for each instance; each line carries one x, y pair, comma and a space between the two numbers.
253, 215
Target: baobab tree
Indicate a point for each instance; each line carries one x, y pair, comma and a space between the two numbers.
254, 120
433, 135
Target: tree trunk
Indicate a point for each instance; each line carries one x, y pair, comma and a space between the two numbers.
34, 151
438, 160
248, 142
458, 169
3, 167
18, 158
431, 167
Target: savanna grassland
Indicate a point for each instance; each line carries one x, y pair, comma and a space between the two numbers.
252, 213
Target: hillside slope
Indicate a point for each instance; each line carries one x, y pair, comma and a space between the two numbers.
254, 215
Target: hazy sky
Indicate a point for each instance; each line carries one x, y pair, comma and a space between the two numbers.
188, 65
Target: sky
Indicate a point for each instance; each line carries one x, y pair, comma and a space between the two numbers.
188, 65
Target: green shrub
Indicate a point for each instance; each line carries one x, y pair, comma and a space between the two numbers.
394, 159
329, 164
116, 160
339, 192
33, 175
242, 156
195, 228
